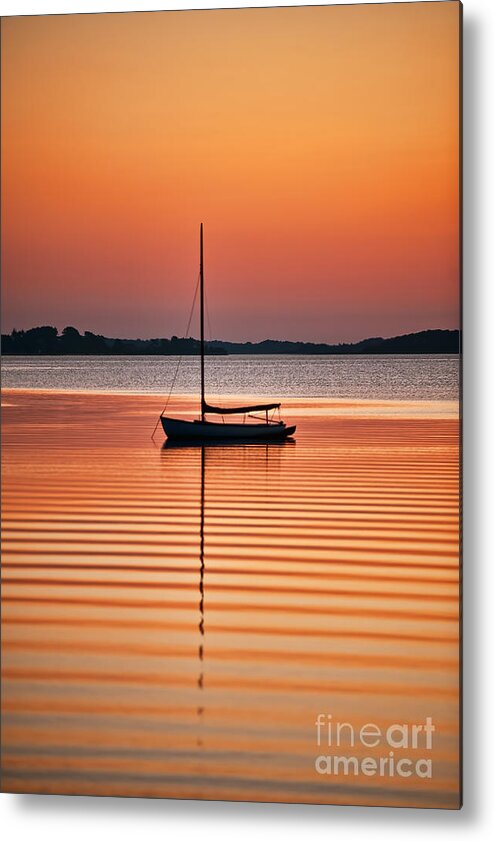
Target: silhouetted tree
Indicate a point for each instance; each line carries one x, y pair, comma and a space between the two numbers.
71, 341
42, 340
94, 344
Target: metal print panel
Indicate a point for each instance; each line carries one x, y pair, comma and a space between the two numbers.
231, 329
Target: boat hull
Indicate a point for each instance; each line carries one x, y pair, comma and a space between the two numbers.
182, 430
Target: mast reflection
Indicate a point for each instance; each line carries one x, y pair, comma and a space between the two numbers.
245, 458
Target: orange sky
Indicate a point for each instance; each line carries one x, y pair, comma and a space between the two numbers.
319, 146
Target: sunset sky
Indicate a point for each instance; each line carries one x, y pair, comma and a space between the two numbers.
319, 146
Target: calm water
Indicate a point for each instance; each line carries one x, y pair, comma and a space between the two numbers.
174, 620
353, 377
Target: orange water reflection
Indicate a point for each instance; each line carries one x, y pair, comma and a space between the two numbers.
176, 618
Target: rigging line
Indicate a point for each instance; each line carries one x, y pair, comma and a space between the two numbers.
187, 330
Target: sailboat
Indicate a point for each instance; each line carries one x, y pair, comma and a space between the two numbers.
204, 430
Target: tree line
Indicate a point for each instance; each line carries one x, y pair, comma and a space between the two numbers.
47, 341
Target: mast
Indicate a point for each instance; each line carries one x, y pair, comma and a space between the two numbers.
203, 400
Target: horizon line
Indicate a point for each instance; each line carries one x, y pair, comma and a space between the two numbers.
234, 341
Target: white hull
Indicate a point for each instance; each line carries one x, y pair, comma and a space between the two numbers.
207, 431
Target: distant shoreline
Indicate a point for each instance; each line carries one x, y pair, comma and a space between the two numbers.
46, 341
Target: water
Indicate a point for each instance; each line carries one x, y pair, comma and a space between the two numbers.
175, 619
347, 377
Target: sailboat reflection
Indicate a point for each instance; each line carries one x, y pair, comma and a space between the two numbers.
238, 464
200, 680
